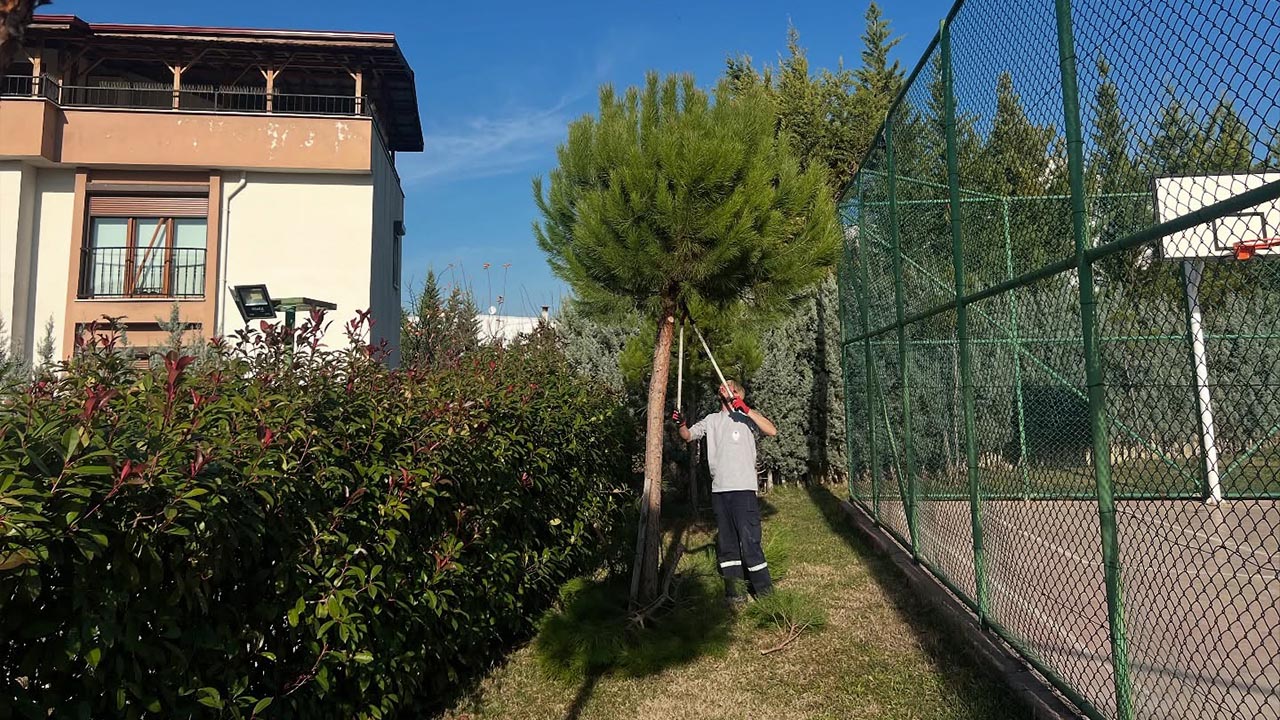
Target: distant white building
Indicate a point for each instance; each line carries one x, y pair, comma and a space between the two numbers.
491, 326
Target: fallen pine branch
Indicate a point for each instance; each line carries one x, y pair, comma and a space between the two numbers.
795, 632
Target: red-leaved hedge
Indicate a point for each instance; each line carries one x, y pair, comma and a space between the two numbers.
270, 532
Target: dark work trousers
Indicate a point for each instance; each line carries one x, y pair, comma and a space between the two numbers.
738, 543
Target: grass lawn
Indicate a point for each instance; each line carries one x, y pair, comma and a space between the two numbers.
880, 654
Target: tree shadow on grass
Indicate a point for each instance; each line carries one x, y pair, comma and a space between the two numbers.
594, 635
982, 694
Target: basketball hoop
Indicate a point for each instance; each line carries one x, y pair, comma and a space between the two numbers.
1248, 249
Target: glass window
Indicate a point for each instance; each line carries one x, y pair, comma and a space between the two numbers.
146, 256
109, 247
150, 245
395, 262
190, 237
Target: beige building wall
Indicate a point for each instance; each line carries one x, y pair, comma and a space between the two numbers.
36, 216
304, 234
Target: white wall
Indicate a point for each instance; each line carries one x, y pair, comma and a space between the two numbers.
54, 217
11, 179
388, 207
36, 206
506, 327
301, 235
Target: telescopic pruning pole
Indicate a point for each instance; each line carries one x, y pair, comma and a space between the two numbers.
707, 348
680, 371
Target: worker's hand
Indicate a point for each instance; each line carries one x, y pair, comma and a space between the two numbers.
678, 418
740, 405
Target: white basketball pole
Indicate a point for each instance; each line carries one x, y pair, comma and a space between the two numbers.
1192, 272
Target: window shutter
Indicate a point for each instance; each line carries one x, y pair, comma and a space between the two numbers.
128, 206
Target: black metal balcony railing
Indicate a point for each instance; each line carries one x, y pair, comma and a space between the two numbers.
142, 273
17, 85
154, 96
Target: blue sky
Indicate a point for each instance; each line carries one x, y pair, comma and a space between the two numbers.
499, 81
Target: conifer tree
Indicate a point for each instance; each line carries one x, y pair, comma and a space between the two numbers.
664, 198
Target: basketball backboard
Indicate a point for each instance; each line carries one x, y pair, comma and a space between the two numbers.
1176, 196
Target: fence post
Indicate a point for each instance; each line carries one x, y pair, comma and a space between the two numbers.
843, 281
864, 310
962, 328
1093, 365
1017, 353
908, 442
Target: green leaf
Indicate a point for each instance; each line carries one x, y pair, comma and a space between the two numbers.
262, 704
364, 657
210, 697
71, 441
293, 618
17, 559
97, 470
94, 657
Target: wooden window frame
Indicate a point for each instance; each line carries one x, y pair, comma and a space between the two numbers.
132, 209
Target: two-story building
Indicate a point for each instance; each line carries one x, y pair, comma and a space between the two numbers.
142, 166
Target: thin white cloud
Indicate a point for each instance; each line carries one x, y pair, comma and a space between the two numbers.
491, 146
488, 146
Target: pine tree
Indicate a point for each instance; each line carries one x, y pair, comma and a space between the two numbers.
1122, 203
440, 329
1229, 146
1273, 153
666, 197
174, 329
461, 326
44, 349
1017, 152
799, 102
1020, 159
1178, 144
422, 331
11, 366
878, 82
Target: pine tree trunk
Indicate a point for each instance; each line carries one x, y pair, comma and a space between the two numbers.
645, 575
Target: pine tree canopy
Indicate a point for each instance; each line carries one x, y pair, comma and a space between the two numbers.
668, 195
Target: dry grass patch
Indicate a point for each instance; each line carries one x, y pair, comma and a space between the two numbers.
880, 654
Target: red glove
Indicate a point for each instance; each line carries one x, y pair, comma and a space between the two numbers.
678, 418
740, 405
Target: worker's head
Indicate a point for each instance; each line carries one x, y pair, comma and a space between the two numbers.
734, 387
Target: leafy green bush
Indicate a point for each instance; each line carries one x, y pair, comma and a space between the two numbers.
280, 532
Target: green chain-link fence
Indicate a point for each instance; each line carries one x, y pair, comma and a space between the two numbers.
1062, 341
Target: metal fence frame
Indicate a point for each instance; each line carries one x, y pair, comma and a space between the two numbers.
861, 341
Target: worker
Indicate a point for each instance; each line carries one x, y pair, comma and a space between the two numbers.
731, 456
